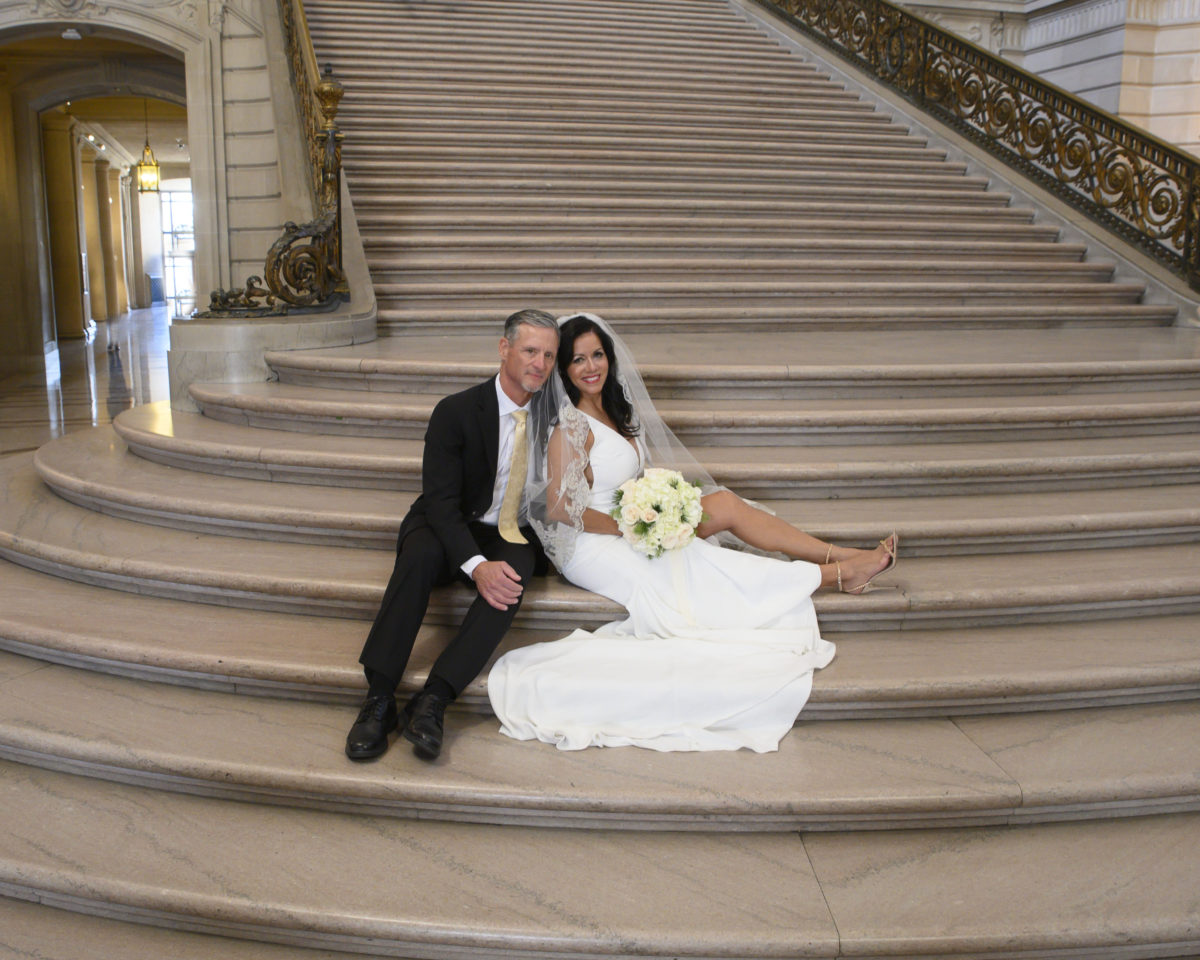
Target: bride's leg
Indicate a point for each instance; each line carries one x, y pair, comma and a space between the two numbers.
727, 511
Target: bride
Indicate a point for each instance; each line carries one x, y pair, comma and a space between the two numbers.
720, 645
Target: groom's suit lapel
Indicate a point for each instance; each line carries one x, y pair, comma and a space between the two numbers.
488, 413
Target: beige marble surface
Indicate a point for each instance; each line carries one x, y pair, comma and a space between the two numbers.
985, 408
1011, 668
841, 774
1079, 886
1083, 888
996, 668
225, 446
324, 578
41, 530
806, 354
38, 527
231, 350
87, 383
1118, 761
350, 878
33, 931
94, 468
1063, 757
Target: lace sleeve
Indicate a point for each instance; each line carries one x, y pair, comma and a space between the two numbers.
559, 492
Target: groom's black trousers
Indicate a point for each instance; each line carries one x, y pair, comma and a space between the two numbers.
421, 565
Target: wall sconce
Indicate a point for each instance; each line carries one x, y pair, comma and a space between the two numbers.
147, 169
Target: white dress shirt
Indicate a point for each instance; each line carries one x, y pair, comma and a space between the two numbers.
508, 431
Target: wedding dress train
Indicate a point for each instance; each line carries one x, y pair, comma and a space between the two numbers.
717, 653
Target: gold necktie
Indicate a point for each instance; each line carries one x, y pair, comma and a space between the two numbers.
516, 484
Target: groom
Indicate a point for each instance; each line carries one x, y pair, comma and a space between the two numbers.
461, 526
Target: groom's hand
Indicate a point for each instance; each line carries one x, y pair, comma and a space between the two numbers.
497, 583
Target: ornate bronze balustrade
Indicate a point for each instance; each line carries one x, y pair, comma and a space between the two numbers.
303, 268
1144, 190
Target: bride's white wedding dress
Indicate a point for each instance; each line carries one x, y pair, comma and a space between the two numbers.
718, 651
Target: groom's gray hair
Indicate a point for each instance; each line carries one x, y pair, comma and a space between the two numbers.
534, 318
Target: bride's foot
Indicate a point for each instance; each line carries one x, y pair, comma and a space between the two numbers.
855, 573
834, 552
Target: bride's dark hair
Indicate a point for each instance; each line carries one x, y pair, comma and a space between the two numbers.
612, 396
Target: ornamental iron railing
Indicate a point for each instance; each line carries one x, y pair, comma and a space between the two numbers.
303, 268
1141, 188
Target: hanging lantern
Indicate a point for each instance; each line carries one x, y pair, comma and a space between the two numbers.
147, 169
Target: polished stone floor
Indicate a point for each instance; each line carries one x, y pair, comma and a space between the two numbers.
88, 382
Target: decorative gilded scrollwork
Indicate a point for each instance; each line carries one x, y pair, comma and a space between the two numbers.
1141, 188
307, 271
252, 300
303, 268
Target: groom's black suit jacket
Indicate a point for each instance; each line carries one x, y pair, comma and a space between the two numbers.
458, 477
458, 471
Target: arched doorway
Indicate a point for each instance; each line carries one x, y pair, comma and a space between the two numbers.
75, 106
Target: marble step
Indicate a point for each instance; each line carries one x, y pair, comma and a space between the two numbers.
389, 40
737, 422
715, 79
366, 68
350, 882
833, 775
819, 209
94, 470
434, 266
532, 217
796, 365
620, 29
596, 114
797, 253
385, 42
195, 442
51, 928
45, 533
196, 863
485, 11
798, 184
604, 34
610, 296
397, 321
367, 160
382, 108
400, 319
875, 675
827, 122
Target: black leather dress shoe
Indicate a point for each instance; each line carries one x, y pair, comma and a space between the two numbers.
368, 738
426, 715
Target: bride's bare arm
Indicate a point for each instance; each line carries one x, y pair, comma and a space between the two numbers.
556, 509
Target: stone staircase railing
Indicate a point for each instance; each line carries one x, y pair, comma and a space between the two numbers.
1142, 189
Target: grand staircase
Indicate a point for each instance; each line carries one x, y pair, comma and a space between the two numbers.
1002, 761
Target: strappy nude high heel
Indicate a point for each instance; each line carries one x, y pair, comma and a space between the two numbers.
892, 561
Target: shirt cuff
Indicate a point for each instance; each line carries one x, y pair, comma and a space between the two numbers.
469, 567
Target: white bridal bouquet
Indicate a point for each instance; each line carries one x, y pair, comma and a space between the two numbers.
658, 511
